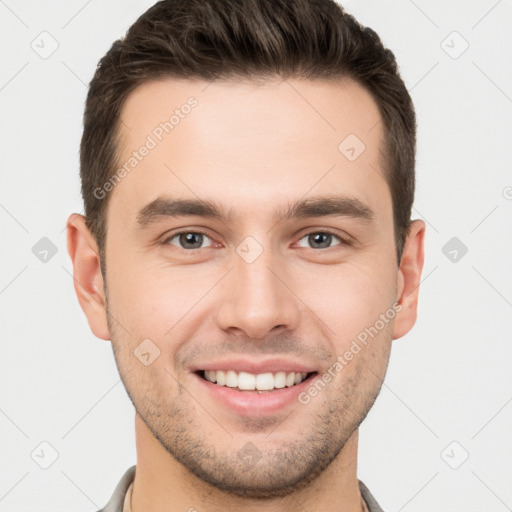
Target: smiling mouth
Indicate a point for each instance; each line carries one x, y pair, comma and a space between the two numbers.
262, 382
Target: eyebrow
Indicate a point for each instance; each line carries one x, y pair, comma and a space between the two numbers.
323, 206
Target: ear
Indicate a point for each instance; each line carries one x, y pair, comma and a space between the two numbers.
409, 276
87, 277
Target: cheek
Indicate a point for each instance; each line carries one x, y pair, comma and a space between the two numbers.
350, 298
151, 300
138, 292
160, 304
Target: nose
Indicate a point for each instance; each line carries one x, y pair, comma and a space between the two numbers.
258, 298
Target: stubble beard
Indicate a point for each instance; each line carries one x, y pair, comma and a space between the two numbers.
277, 472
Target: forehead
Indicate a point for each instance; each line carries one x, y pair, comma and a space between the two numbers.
249, 145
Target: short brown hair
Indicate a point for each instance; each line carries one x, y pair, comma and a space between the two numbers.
250, 39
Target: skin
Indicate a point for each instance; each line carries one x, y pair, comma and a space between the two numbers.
252, 149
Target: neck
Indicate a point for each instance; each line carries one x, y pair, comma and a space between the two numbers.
162, 484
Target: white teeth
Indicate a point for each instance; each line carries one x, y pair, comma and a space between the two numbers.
264, 381
221, 377
231, 379
246, 381
249, 382
280, 380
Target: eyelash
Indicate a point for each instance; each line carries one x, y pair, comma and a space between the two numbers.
343, 241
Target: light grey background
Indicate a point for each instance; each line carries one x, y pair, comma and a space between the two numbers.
448, 391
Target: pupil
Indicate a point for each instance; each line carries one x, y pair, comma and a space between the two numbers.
316, 238
188, 238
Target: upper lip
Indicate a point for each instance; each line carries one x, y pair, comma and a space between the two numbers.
255, 367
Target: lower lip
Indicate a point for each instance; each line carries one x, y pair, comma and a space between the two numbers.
252, 403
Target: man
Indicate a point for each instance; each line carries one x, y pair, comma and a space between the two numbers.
248, 176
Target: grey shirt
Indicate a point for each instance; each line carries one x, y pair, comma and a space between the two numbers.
116, 502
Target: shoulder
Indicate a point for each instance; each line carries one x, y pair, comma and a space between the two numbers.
115, 504
370, 501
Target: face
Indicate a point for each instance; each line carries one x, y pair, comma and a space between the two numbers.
253, 291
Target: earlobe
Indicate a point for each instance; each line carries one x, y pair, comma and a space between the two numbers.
408, 280
88, 281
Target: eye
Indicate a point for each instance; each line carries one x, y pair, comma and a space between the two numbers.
320, 239
188, 239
